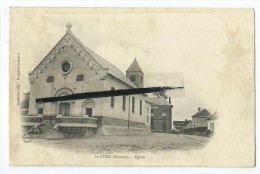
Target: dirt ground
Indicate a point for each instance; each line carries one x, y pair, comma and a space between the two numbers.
127, 143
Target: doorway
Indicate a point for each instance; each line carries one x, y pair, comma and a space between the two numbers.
89, 108
152, 124
89, 112
65, 109
164, 125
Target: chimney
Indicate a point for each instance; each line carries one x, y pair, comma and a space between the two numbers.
170, 100
199, 109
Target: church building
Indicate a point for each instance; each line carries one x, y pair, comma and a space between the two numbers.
70, 67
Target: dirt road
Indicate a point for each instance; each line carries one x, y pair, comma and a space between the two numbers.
125, 143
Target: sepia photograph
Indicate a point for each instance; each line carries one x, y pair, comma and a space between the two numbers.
132, 87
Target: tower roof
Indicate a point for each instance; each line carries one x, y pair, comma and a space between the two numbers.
135, 67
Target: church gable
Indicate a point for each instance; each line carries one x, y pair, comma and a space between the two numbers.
99, 65
71, 42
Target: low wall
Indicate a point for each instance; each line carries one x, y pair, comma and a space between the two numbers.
34, 119
66, 119
119, 130
102, 120
84, 132
197, 129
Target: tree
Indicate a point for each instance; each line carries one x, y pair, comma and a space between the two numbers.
161, 93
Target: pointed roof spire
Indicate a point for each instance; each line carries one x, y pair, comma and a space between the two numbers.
135, 67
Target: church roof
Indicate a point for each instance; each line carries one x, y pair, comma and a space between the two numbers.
135, 67
159, 101
108, 68
111, 69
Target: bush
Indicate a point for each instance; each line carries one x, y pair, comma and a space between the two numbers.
174, 132
209, 132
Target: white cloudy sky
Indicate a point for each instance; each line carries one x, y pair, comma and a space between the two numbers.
189, 47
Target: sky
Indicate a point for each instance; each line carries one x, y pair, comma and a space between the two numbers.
174, 47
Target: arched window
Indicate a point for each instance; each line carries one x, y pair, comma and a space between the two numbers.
132, 78
147, 114
141, 107
124, 102
40, 107
112, 100
63, 92
133, 104
89, 108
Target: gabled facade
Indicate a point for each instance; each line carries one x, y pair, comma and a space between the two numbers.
69, 68
200, 121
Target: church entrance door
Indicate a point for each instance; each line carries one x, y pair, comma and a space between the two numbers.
65, 109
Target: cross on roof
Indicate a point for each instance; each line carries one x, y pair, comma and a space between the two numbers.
68, 26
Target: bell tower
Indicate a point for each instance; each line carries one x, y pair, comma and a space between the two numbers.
135, 74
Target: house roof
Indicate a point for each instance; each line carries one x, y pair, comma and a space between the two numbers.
213, 116
202, 113
108, 68
134, 67
148, 101
180, 123
159, 101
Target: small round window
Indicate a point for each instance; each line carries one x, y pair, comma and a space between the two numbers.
66, 66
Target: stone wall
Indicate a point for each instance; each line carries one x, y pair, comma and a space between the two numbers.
103, 120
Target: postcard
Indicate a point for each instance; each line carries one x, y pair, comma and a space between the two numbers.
132, 87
